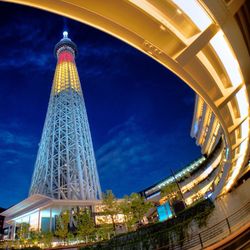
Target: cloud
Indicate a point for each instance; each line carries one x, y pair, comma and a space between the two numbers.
133, 158
94, 61
17, 153
9, 138
31, 49
16, 146
104, 50
26, 58
133, 154
24, 50
102, 59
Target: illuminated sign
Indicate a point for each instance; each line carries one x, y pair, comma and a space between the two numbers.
164, 212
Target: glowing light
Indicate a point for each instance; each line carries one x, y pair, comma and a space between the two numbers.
241, 97
245, 129
199, 16
201, 192
179, 11
65, 34
227, 58
234, 175
162, 27
243, 147
238, 165
150, 9
196, 13
66, 77
65, 56
204, 174
231, 65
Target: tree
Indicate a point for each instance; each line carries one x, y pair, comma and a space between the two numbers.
62, 225
34, 237
170, 191
103, 231
46, 238
85, 224
23, 232
110, 207
70, 236
126, 209
139, 206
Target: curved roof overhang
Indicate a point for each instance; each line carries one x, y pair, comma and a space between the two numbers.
38, 202
198, 40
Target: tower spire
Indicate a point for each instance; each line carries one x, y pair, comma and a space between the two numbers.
65, 34
65, 167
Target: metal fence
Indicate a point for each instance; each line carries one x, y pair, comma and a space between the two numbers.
215, 233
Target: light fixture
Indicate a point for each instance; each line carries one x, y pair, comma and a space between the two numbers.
155, 13
225, 53
243, 147
237, 167
241, 97
65, 34
179, 11
195, 12
162, 27
245, 129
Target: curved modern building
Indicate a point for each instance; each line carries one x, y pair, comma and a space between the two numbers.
207, 44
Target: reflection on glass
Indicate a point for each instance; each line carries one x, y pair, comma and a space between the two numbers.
55, 212
45, 220
34, 221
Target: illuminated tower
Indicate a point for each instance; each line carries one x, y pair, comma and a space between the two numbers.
65, 167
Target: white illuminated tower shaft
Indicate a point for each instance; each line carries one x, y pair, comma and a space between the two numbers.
65, 167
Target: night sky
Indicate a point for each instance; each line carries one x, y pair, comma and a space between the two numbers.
140, 113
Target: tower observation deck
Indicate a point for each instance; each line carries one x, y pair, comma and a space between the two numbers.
65, 167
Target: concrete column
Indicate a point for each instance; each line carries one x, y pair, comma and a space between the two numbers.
50, 220
39, 219
9, 233
14, 231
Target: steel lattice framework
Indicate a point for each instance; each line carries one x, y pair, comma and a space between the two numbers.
65, 167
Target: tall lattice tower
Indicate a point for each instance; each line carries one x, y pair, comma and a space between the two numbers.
65, 167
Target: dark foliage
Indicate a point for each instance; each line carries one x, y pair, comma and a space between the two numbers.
162, 233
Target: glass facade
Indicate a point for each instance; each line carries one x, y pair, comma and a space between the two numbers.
45, 219
33, 221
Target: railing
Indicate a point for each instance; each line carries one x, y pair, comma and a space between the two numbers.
215, 233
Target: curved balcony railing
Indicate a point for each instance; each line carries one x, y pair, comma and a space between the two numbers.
215, 233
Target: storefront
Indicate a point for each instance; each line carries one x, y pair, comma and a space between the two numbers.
41, 212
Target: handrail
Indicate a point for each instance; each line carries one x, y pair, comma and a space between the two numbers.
215, 233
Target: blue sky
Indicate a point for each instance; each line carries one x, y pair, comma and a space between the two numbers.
140, 113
